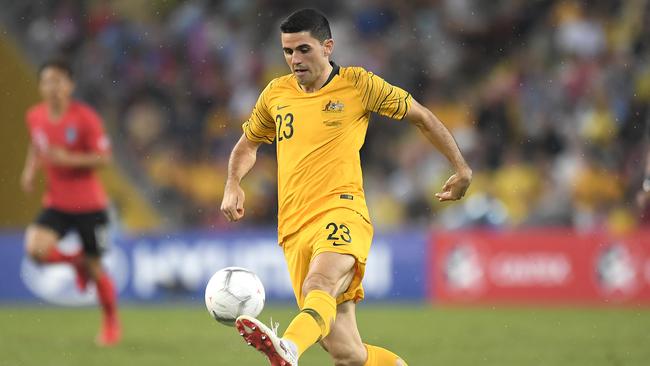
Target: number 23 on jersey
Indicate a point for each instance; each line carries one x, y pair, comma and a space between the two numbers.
285, 126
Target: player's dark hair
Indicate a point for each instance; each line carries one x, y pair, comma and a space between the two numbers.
308, 20
58, 63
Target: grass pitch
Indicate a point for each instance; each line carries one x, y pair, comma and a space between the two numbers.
160, 336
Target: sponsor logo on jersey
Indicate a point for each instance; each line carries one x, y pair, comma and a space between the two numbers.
332, 123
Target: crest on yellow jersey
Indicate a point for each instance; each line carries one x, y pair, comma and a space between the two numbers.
333, 106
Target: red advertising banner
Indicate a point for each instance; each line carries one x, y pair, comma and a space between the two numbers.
539, 266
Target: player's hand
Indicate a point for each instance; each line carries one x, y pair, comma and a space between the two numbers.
455, 187
233, 202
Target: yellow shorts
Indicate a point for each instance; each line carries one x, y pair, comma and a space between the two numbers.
338, 230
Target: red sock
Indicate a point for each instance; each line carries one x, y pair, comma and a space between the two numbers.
106, 296
55, 256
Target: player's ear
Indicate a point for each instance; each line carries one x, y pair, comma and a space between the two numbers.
328, 46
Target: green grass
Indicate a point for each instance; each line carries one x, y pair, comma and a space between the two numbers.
159, 336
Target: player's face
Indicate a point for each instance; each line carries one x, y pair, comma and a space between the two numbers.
55, 85
306, 56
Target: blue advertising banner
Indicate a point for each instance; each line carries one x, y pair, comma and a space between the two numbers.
176, 267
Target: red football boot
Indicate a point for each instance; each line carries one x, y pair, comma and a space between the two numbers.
110, 334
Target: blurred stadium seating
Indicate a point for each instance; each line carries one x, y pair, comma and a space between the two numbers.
548, 100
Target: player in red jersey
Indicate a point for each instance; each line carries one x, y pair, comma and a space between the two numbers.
68, 142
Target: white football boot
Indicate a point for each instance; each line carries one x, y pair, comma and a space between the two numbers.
266, 341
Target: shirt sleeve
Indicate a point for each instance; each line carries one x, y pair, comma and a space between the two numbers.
260, 127
379, 96
95, 138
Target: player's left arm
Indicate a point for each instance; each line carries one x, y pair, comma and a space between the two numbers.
98, 151
442, 139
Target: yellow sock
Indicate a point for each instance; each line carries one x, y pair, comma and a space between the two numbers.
378, 356
313, 322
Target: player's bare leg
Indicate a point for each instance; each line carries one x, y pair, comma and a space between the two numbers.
110, 333
344, 341
345, 346
41, 245
39, 242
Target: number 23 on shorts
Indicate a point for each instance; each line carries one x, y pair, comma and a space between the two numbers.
338, 232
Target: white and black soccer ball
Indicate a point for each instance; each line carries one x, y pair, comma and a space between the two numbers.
234, 291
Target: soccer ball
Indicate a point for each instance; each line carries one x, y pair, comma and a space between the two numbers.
234, 291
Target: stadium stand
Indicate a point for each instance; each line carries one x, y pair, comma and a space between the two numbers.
551, 119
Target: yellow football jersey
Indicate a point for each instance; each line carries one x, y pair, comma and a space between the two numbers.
318, 136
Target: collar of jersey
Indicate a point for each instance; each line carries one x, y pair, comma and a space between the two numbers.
335, 71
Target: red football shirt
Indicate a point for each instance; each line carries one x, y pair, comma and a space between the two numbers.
79, 130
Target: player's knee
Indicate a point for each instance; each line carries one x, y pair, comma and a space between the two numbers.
319, 281
38, 243
36, 252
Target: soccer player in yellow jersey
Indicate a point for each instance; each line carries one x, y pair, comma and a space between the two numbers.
318, 116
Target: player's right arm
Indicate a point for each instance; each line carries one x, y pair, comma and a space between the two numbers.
260, 128
29, 171
241, 161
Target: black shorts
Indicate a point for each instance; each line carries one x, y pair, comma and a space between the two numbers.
92, 227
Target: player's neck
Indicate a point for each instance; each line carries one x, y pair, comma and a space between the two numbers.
318, 83
56, 110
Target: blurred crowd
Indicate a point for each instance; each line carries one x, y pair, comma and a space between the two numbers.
547, 99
